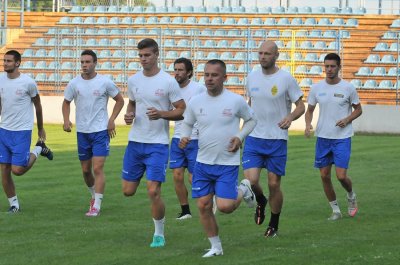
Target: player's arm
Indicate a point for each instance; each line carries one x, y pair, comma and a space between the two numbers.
119, 104
175, 114
130, 112
66, 110
237, 140
357, 111
39, 117
297, 112
308, 119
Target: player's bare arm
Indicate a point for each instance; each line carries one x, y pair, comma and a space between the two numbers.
175, 114
357, 111
66, 110
39, 117
308, 118
119, 104
297, 112
130, 112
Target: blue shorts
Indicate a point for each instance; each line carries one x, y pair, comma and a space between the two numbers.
93, 144
332, 151
265, 153
179, 157
14, 147
141, 157
217, 179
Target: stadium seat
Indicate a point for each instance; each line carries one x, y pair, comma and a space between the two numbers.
324, 22
394, 47
116, 43
100, 9
212, 55
307, 45
165, 20
127, 20
129, 9
338, 22
388, 58
389, 35
132, 53
301, 33
233, 81
150, 9
171, 55
381, 46
40, 42
212, 9
363, 71
152, 20
292, 10
91, 42
226, 56
315, 33
287, 33
278, 10
252, 9
260, 33
332, 10
280, 44
344, 34
274, 33
230, 21
310, 21
284, 56
53, 65
134, 66
119, 66
265, 10
370, 84
352, 22
105, 54
334, 45
315, 70
225, 9
119, 54
67, 66
311, 57
67, 54
329, 34
40, 53
161, 9
88, 9
169, 43
395, 23
103, 31
41, 77
113, 9
90, 31
301, 69
106, 66
223, 44
191, 20
183, 43
76, 9
270, 21
28, 53
238, 9
67, 42
393, 71
217, 21
200, 67
237, 44
27, 65
243, 21
372, 58
356, 83
87, 21
385, 84
256, 21
347, 10
204, 21
104, 42
318, 10
121, 78
306, 82
187, 9
231, 68
67, 77
65, 20
379, 71
234, 33
284, 21
139, 20
305, 10
114, 32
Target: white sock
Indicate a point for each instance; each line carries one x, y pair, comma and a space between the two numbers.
335, 206
14, 201
37, 150
91, 190
243, 189
159, 227
351, 195
98, 197
215, 242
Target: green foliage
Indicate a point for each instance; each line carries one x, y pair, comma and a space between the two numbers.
52, 228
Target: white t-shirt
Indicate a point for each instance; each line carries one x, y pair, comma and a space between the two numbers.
218, 120
271, 99
91, 98
335, 103
16, 102
192, 89
158, 91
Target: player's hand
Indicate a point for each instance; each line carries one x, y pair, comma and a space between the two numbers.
128, 117
153, 113
308, 130
342, 123
184, 142
67, 126
285, 123
42, 135
234, 144
111, 129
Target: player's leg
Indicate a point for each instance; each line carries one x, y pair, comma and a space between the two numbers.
133, 168
156, 165
253, 162
9, 188
341, 154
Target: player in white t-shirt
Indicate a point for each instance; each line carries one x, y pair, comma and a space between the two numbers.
271, 93
217, 114
18, 95
179, 158
339, 105
151, 93
91, 91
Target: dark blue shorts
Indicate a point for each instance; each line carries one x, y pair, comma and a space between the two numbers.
186, 158
14, 147
93, 144
332, 151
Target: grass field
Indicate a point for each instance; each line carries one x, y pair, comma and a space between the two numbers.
52, 228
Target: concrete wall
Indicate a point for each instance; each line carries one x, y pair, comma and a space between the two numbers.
375, 118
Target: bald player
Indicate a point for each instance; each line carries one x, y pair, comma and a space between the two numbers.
271, 93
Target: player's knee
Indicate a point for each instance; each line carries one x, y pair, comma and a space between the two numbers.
153, 193
128, 193
226, 208
17, 171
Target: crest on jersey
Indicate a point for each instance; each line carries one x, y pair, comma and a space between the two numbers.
274, 90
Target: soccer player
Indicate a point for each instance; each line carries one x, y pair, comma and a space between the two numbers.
151, 93
271, 93
217, 113
339, 105
184, 158
18, 94
91, 91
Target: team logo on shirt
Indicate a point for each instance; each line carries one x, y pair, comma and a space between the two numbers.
159, 92
227, 113
96, 93
201, 112
274, 90
19, 92
338, 95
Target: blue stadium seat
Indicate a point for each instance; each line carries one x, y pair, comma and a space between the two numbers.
200, 9
217, 21
310, 21
76, 9
200, 67
252, 9
191, 20
64, 20
28, 53
237, 44
320, 45
240, 56
40, 65
129, 9
87, 21
114, 32
356, 83
106, 66
171, 55
220, 33
334, 45
134, 66
113, 9
370, 84
307, 45
104, 42
332, 10
223, 44
352, 22
183, 43
204, 21
231, 68
67, 77
234, 33
324, 22
161, 9
381, 46
132, 53
260, 33
394, 47
199, 55
298, 57
315, 33
315, 70
118, 54
41, 77
139, 20
379, 71
91, 42
273, 33
119, 66
347, 10
27, 65
329, 34
306, 82
344, 34
114, 21
388, 58
212, 55
127, 20
305, 10
100, 9
301, 33
212, 9
165, 20
284, 21
209, 44
363, 71
150, 9
297, 21
226, 56
278, 10
67, 54
174, 9
121, 78
67, 42
206, 33
338, 22
270, 21
385, 84
256, 21
90, 31
40, 53
187, 9
53, 65
318, 10
238, 9
292, 10
389, 35
393, 71
265, 10
180, 32
243, 21
284, 56
311, 57
233, 81
67, 66
169, 43
105, 54
230, 21
225, 9
152, 20
301, 69
103, 31
372, 58
395, 23
185, 54
88, 9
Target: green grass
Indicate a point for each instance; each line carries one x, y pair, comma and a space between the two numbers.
52, 228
